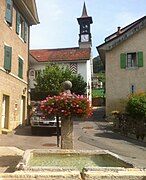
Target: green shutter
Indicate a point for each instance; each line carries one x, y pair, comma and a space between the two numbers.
123, 60
140, 59
7, 58
25, 31
17, 22
9, 9
20, 68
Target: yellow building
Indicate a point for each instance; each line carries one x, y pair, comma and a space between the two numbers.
16, 17
124, 55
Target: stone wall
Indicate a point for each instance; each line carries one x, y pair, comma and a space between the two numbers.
87, 174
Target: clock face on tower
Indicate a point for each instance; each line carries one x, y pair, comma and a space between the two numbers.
84, 37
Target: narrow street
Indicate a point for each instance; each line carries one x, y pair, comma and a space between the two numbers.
91, 134
99, 135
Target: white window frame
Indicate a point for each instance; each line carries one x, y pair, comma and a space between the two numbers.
131, 60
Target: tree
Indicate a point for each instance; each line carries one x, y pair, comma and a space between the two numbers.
78, 85
98, 66
51, 79
101, 77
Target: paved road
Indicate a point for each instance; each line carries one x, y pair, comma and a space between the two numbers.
98, 133
91, 134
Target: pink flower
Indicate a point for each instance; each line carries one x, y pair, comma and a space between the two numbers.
67, 106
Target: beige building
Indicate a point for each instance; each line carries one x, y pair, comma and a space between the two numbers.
124, 55
16, 17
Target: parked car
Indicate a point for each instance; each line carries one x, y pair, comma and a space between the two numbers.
40, 122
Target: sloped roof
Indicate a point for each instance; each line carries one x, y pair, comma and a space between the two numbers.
125, 29
61, 54
84, 12
85, 15
29, 10
120, 36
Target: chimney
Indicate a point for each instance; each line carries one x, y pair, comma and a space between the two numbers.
119, 30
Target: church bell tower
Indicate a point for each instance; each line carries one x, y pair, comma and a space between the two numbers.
85, 21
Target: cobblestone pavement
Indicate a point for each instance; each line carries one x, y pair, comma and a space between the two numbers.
90, 134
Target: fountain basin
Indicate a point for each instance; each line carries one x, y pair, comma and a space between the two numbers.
77, 160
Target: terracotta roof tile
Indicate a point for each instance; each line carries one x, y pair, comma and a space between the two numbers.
63, 54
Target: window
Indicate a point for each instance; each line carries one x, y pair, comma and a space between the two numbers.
20, 68
73, 68
7, 58
9, 9
131, 60
21, 26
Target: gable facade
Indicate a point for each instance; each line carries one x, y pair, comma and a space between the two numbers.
78, 60
14, 62
125, 65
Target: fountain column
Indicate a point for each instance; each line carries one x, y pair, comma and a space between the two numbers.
67, 123
66, 133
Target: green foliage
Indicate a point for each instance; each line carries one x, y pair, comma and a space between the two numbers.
101, 77
52, 77
97, 93
136, 105
78, 84
98, 65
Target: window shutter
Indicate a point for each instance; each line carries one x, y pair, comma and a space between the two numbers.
20, 68
7, 58
140, 59
25, 32
73, 68
8, 15
17, 22
123, 60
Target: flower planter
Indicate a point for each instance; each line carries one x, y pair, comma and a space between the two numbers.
67, 107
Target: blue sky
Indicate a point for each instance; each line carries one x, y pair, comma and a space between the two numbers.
59, 28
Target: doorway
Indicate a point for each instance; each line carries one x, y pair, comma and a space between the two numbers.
22, 110
5, 112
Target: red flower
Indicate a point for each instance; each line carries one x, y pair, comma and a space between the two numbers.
67, 106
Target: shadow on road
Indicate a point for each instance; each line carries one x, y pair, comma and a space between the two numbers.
112, 135
8, 163
26, 131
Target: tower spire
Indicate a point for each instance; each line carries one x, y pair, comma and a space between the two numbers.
84, 23
84, 12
